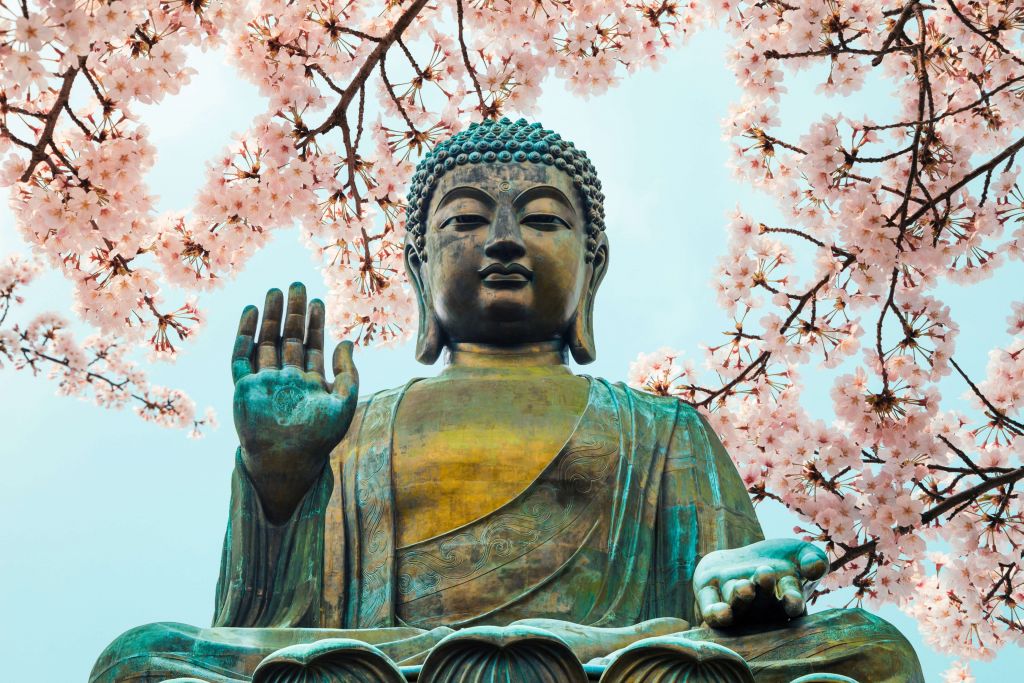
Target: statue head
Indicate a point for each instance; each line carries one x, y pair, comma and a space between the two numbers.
505, 240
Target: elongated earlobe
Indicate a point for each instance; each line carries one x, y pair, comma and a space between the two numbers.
429, 337
581, 332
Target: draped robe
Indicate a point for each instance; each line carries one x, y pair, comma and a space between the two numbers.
607, 535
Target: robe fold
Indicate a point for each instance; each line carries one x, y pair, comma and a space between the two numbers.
608, 534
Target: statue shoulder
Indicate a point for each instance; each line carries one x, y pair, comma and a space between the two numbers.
385, 399
658, 406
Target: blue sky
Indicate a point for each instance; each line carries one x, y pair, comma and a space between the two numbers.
107, 522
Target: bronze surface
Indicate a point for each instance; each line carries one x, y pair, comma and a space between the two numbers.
505, 489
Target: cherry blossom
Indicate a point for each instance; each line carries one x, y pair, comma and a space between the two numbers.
878, 213
96, 367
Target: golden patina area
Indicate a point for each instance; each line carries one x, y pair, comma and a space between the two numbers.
446, 478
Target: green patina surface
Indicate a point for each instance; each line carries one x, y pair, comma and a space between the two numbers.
507, 514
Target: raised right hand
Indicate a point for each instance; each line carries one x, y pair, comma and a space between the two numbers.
287, 415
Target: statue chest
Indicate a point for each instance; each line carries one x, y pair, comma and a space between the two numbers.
463, 448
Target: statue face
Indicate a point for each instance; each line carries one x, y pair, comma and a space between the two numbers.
506, 248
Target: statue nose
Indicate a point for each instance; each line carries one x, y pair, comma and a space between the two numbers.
505, 240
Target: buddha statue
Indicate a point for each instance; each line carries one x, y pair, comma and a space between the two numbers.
506, 519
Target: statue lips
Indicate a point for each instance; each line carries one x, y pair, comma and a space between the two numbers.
505, 276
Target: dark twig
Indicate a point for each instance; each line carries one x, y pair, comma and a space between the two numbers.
465, 56
46, 137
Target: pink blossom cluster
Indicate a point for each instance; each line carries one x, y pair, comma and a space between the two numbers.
97, 367
75, 154
958, 673
357, 92
877, 216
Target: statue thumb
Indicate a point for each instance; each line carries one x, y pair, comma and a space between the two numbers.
346, 377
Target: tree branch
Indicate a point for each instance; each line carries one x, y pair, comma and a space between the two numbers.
930, 515
39, 151
384, 44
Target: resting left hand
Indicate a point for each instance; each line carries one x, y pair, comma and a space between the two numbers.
759, 583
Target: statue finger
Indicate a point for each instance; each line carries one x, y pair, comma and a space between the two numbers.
764, 578
791, 595
346, 377
315, 338
813, 563
716, 612
292, 347
241, 355
270, 331
738, 592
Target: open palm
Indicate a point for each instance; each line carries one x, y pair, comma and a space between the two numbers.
287, 415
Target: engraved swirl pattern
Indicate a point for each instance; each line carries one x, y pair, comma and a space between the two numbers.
587, 463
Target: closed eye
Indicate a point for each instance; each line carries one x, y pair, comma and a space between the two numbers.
465, 221
545, 221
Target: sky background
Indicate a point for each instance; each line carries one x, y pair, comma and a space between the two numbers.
107, 522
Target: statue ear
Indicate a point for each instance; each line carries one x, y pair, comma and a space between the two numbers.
581, 337
429, 338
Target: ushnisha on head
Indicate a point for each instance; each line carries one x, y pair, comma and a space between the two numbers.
505, 241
